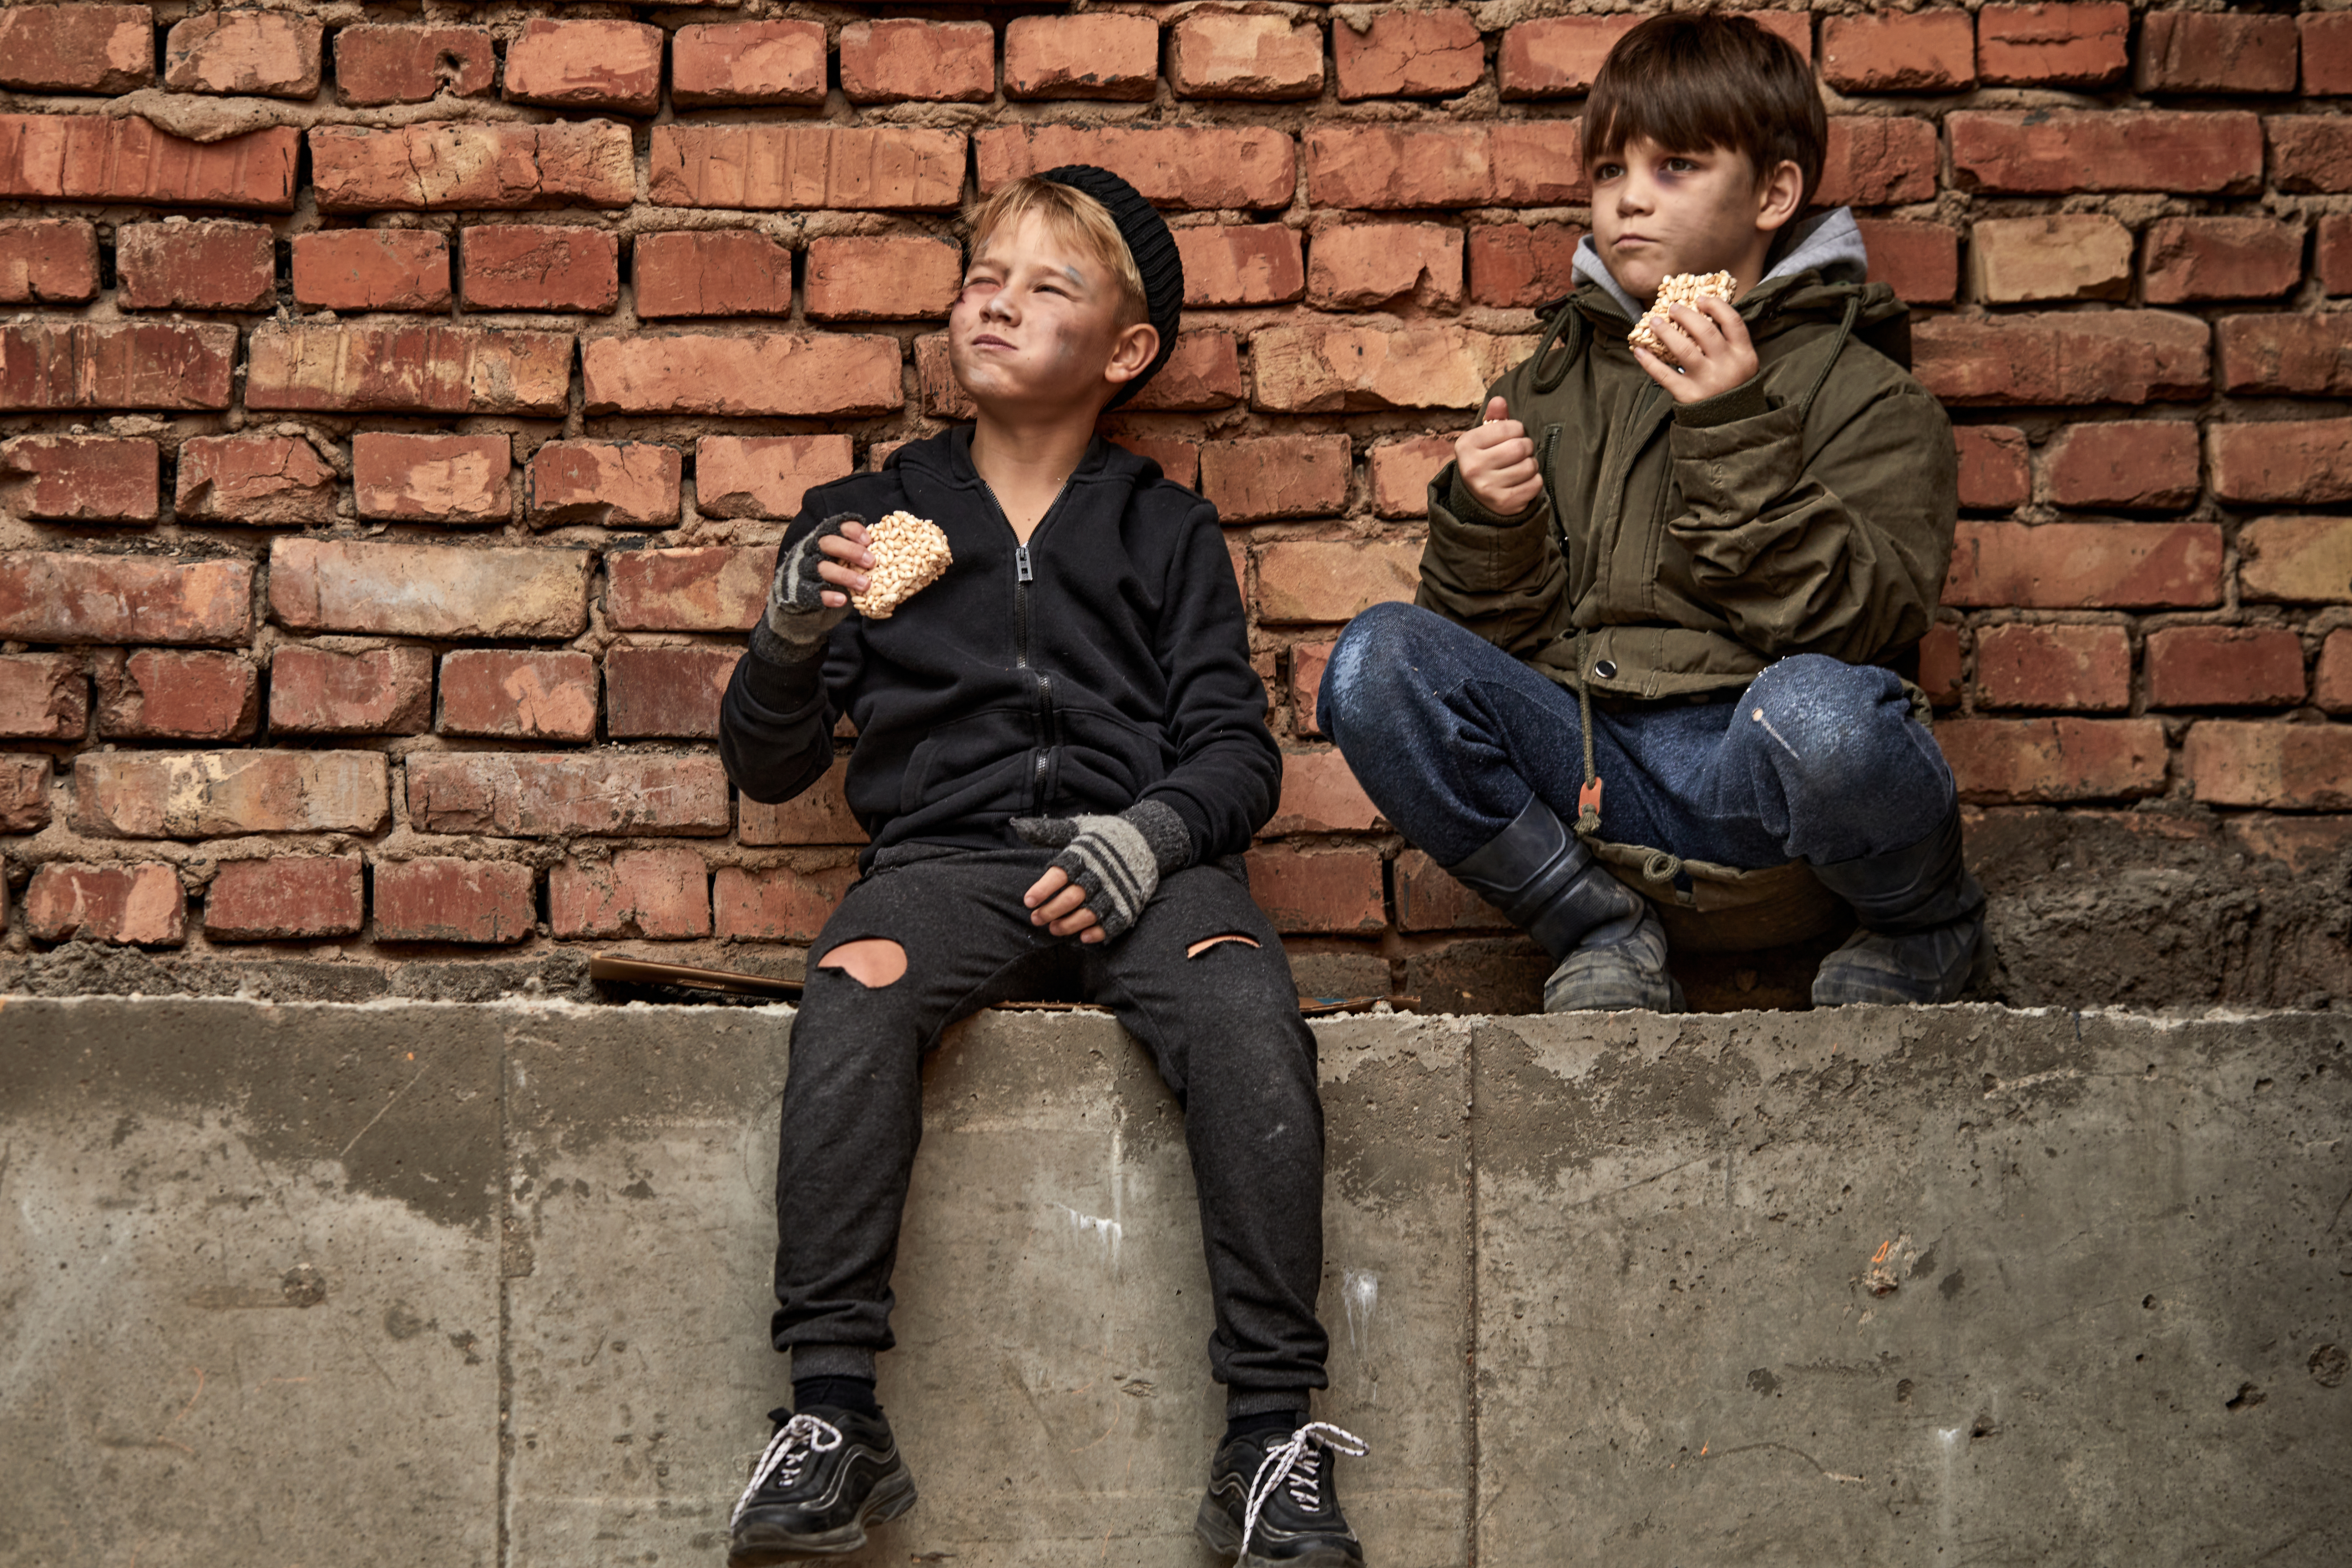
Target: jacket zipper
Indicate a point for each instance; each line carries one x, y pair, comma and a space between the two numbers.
1024, 573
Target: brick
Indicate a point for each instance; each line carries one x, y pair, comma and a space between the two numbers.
882, 276
2310, 153
440, 479
715, 272
2221, 258
262, 479
169, 694
2287, 767
2081, 668
611, 484
427, 590
54, 596
819, 815
2331, 686
1558, 56
540, 267
2307, 356
1191, 167
1429, 900
764, 476
81, 478
1306, 890
665, 692
806, 166
1178, 459
2303, 560
371, 270
1400, 472
603, 64
1276, 476
2331, 259
218, 795
1100, 54
1517, 264
286, 898
443, 166
2326, 46
523, 795
2189, 51
747, 62
43, 697
2045, 152
1920, 261
751, 374
1408, 54
1924, 51
23, 794
1877, 161
1320, 794
2224, 667
1224, 54
2138, 465
2059, 256
116, 364
439, 899
1357, 264
380, 691
1204, 372
2085, 565
48, 261
943, 396
2064, 357
1794, 29
1939, 664
76, 48
2292, 462
90, 158
660, 895
706, 588
270, 53
408, 370
928, 62
2053, 45
1994, 475
2005, 761
1241, 264
1328, 368
1333, 580
1537, 163
780, 905
519, 694
379, 65
141, 904
1308, 660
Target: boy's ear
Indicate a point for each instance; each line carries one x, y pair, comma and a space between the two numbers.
1779, 195
1134, 348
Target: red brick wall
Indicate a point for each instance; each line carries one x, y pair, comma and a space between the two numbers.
393, 421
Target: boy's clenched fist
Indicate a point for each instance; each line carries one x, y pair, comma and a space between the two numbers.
1498, 462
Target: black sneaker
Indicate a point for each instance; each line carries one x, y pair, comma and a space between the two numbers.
1270, 1503
825, 1476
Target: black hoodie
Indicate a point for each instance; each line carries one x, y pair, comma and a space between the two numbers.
1104, 663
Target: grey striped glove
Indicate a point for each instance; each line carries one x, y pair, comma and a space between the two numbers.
798, 618
1117, 859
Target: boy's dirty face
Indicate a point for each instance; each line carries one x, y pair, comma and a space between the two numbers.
1037, 322
1657, 213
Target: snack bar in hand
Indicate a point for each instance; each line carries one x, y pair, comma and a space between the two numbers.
1679, 289
909, 554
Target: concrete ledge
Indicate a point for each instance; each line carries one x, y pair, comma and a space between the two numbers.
488, 1284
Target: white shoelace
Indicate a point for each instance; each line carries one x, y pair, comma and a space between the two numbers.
796, 1442
1281, 1465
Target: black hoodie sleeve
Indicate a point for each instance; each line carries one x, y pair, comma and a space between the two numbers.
775, 723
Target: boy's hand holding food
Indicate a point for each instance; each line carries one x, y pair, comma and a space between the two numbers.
1498, 462
1692, 342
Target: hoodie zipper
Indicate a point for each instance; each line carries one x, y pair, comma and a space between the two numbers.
1024, 573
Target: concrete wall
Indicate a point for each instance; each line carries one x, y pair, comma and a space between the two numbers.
416, 1283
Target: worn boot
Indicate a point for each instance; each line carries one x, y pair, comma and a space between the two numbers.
1611, 949
1923, 925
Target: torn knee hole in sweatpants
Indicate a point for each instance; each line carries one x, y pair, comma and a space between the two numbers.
1206, 942
873, 962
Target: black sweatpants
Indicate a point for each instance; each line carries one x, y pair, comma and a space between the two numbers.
1223, 1028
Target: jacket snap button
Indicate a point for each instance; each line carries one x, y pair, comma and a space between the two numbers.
1606, 670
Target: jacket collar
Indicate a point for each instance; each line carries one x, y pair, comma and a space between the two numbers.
1827, 243
947, 456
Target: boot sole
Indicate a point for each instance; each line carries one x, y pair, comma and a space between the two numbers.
1224, 1537
892, 1496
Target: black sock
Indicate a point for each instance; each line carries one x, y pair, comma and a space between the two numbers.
1283, 1421
835, 1393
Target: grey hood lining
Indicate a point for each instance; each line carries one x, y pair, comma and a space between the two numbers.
1829, 241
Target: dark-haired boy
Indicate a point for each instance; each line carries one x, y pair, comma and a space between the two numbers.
1061, 754
1727, 548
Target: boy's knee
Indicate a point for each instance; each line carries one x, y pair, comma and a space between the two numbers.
1839, 726
1375, 644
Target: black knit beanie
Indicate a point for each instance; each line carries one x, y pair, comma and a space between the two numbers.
1153, 248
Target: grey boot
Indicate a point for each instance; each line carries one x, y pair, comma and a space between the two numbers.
1611, 949
1923, 924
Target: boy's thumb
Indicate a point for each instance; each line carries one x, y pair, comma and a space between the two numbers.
1496, 409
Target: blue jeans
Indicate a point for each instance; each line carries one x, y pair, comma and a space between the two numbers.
1818, 759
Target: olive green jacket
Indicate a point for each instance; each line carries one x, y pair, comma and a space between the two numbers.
1809, 511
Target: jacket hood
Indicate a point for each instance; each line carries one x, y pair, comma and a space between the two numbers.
1827, 243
